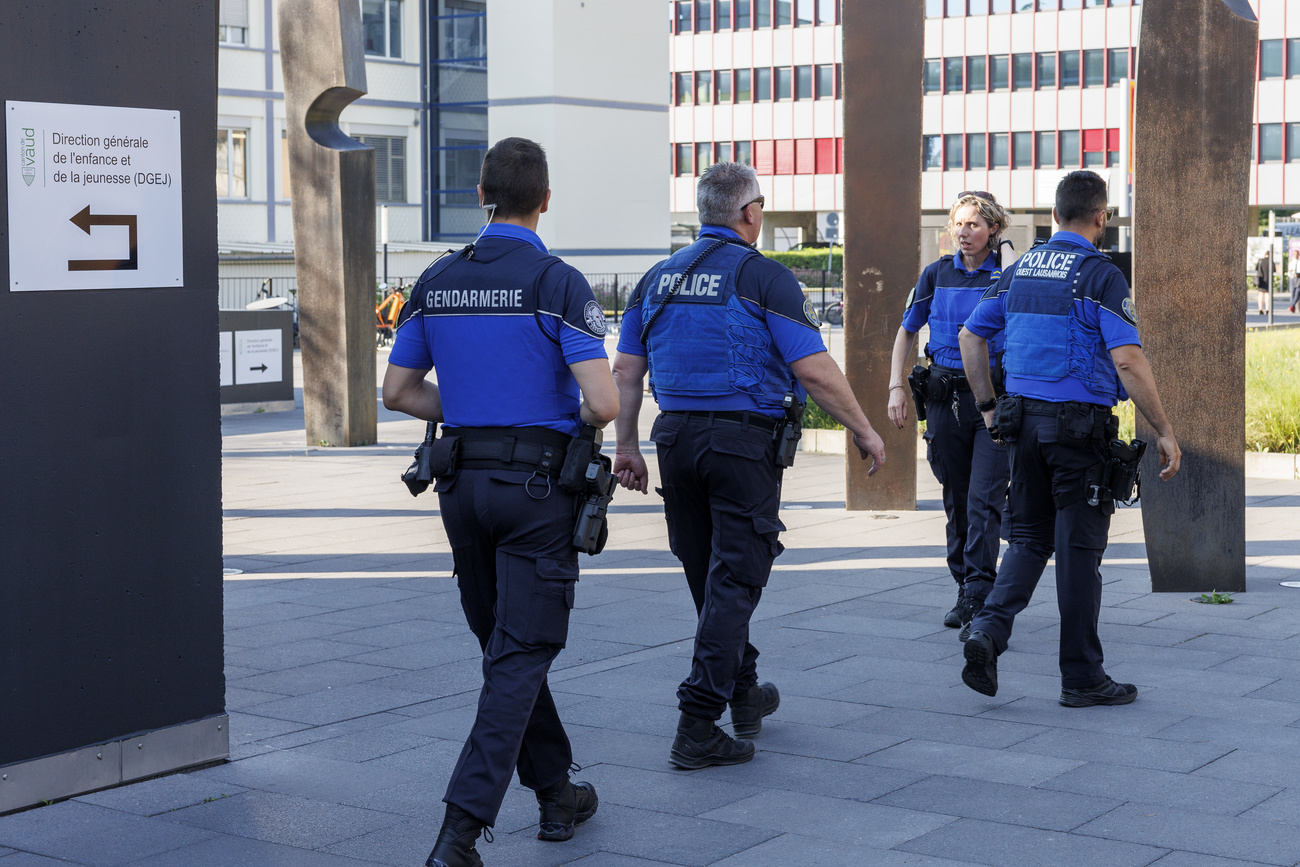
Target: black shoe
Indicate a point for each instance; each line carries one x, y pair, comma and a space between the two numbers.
953, 618
700, 743
981, 671
750, 706
455, 845
564, 805
969, 608
1107, 692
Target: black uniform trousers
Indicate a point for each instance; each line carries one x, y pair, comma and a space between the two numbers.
973, 471
511, 535
1042, 465
721, 490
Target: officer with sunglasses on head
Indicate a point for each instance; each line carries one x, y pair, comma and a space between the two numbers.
969, 465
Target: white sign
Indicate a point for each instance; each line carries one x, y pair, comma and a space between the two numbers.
1045, 187
94, 197
828, 226
258, 356
226, 343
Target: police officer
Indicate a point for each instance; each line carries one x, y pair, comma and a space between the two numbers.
970, 466
726, 335
1072, 350
514, 334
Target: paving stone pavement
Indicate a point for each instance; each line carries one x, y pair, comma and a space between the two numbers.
352, 680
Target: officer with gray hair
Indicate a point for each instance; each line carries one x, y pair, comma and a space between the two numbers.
733, 349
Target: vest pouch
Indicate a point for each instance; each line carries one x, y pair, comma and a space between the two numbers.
1075, 424
1007, 417
443, 454
940, 388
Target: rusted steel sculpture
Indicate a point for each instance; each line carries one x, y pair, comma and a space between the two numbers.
332, 182
883, 51
1192, 153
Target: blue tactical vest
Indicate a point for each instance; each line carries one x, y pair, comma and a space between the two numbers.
1046, 338
705, 343
951, 306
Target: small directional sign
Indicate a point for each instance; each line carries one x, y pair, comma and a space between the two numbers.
94, 197
258, 356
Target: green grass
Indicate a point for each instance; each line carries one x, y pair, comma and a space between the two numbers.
815, 418
1272, 391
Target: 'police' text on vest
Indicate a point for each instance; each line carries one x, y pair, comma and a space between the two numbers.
1046, 265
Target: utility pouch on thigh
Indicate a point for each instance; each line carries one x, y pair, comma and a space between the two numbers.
1075, 424
1007, 417
919, 383
582, 450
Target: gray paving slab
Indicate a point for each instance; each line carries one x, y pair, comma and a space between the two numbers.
1184, 791
995, 843
1272, 769
1122, 749
1203, 833
1000, 802
1194, 859
224, 850
285, 819
93, 835
799, 849
163, 794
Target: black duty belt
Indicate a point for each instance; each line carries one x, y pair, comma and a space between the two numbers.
526, 449
742, 417
955, 376
1033, 406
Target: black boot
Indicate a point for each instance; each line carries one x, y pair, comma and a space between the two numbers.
700, 743
455, 845
953, 618
749, 706
564, 805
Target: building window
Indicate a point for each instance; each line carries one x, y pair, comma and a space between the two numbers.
1293, 58
703, 156
1094, 68
783, 84
724, 17
953, 146
684, 92
931, 153
683, 16
722, 152
1048, 5
742, 14
976, 68
933, 76
742, 85
1000, 6
999, 72
381, 21
1069, 149
933, 8
762, 84
390, 166
723, 78
1293, 142
763, 14
685, 161
826, 10
975, 151
1071, 4
1046, 70
1118, 62
1022, 71
952, 69
232, 27
703, 16
1069, 69
1022, 150
463, 35
1000, 147
977, 7
826, 81
1046, 150
232, 163
804, 12
1024, 5
783, 15
703, 87
803, 82
745, 152
956, 8
1270, 142
1270, 59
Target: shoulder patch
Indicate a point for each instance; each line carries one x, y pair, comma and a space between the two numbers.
810, 313
911, 299
595, 318
1130, 312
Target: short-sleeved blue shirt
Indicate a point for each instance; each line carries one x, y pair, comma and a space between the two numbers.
769, 291
944, 296
500, 328
1105, 307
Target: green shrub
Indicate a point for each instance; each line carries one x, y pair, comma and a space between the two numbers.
816, 418
1272, 391
813, 259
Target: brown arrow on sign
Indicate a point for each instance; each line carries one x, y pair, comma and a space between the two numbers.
83, 220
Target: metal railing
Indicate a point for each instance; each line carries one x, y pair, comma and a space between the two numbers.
612, 291
235, 293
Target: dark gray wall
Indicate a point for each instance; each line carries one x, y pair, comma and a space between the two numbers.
110, 484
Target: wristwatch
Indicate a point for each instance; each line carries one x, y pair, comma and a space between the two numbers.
986, 405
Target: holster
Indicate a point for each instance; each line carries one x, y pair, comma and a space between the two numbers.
433, 458
1123, 477
787, 433
582, 450
918, 381
591, 530
1008, 416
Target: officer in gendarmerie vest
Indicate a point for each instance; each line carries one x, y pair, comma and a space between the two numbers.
1072, 351
730, 344
513, 334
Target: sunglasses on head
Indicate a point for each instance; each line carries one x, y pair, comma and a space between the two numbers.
979, 194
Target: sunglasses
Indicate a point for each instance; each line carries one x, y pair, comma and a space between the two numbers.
979, 194
1109, 212
759, 201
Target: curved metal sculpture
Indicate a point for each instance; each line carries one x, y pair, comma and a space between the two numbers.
1191, 180
332, 182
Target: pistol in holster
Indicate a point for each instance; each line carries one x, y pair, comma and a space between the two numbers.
434, 459
1121, 476
788, 431
587, 474
918, 381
